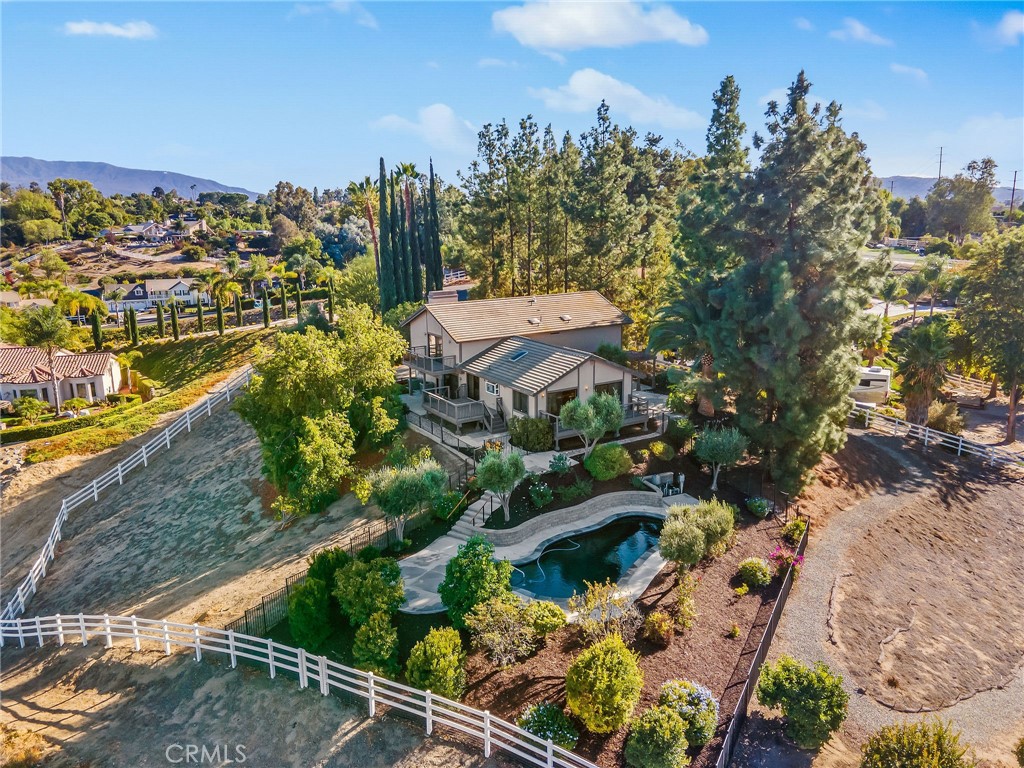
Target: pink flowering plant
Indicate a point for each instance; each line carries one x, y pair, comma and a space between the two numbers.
784, 558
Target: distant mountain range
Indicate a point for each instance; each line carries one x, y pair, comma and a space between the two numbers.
918, 186
108, 179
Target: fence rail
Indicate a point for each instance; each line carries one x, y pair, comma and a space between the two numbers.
29, 585
328, 676
977, 386
890, 425
739, 716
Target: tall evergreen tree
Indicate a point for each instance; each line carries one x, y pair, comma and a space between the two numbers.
298, 301
283, 295
200, 320
330, 299
97, 330
239, 319
265, 300
396, 245
403, 234
435, 234
160, 327
175, 325
220, 315
413, 229
388, 291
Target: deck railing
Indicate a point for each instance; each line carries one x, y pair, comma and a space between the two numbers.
452, 411
418, 357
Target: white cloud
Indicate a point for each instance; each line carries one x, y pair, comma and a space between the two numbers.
863, 110
856, 31
803, 24
1010, 28
359, 14
550, 25
914, 73
489, 63
437, 126
779, 95
130, 30
587, 87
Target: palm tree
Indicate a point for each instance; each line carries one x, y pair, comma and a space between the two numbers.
933, 272
302, 264
364, 195
916, 287
224, 288
127, 360
681, 325
47, 329
257, 271
922, 366
115, 295
892, 290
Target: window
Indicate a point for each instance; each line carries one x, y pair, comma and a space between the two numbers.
520, 401
434, 347
557, 399
491, 387
613, 388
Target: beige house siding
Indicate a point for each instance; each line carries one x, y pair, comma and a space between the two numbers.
586, 339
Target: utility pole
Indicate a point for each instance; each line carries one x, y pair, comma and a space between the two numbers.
1013, 194
940, 163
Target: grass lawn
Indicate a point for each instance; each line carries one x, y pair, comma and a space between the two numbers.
185, 369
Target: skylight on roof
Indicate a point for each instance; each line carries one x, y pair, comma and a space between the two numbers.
566, 318
519, 355
534, 321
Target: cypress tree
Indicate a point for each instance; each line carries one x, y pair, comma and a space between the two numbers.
283, 294
97, 330
403, 227
133, 329
298, 301
388, 297
434, 229
265, 298
160, 329
238, 310
220, 316
413, 234
330, 299
396, 247
200, 322
175, 327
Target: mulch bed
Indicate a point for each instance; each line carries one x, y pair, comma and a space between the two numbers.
704, 654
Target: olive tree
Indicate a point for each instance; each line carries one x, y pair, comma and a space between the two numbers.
400, 492
719, 448
592, 418
501, 473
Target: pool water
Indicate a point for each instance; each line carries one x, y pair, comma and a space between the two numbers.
606, 553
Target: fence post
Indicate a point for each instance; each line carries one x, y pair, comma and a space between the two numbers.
199, 650
145, 457
167, 640
167, 435
373, 700
227, 393
324, 688
429, 703
120, 475
487, 733
303, 682
926, 436
231, 647
960, 446
21, 634
551, 753
81, 625
895, 426
135, 633
209, 408
270, 658
39, 630
106, 630
188, 420
60, 630
95, 491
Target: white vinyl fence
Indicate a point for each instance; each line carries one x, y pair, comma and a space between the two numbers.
28, 586
493, 732
956, 444
976, 386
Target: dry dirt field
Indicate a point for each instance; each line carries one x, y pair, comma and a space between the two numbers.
913, 595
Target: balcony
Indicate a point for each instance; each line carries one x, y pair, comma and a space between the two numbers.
637, 411
436, 365
458, 411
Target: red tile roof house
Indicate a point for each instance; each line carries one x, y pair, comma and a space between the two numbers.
24, 371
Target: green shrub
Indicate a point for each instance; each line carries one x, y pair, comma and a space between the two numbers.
368, 554
793, 531
603, 610
812, 699
545, 617
375, 648
717, 520
531, 434
472, 577
638, 482
446, 506
663, 451
686, 600
560, 464
946, 417
603, 685
435, 663
754, 572
759, 507
61, 426
541, 494
612, 352
549, 721
1018, 751
679, 431
658, 628
697, 707
928, 744
657, 739
308, 614
681, 541
323, 565
364, 589
501, 629
580, 489
608, 461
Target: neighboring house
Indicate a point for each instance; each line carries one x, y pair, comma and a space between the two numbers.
24, 371
147, 294
184, 229
14, 300
489, 360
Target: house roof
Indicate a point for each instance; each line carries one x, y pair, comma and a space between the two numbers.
28, 365
10, 297
526, 364
167, 283
500, 318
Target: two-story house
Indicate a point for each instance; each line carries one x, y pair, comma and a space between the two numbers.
149, 293
487, 361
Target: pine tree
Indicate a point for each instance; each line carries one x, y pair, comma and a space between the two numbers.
526, 152
388, 295
97, 330
161, 330
175, 327
220, 315
434, 229
567, 176
238, 310
283, 296
265, 300
200, 321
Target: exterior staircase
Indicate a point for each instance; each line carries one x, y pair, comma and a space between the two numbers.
464, 527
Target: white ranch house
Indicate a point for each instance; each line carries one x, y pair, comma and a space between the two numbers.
149, 293
24, 372
484, 362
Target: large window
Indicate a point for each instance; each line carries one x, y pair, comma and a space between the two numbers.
555, 400
433, 345
613, 388
520, 402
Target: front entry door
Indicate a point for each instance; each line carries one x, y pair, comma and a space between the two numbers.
473, 387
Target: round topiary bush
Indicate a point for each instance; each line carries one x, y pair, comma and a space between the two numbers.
375, 648
754, 572
309, 614
603, 685
366, 588
544, 616
548, 721
681, 541
695, 705
435, 663
608, 461
929, 744
657, 739
812, 699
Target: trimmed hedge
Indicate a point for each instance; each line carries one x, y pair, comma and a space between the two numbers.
60, 426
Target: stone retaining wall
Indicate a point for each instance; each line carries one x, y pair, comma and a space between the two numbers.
559, 517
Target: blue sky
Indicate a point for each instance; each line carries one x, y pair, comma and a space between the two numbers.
249, 93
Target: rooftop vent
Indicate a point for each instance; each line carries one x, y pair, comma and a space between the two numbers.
566, 318
534, 321
533, 300
519, 355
